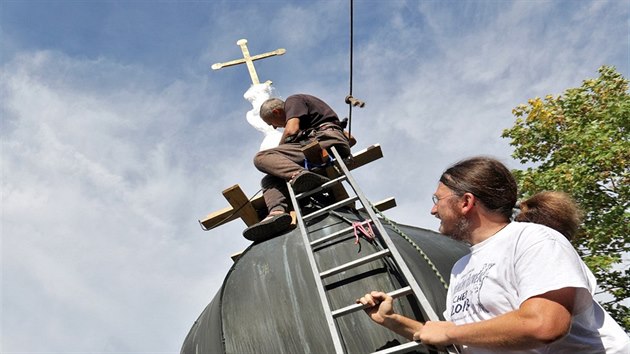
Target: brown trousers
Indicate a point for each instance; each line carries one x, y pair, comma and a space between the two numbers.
281, 162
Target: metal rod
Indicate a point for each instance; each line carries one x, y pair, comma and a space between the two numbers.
356, 307
355, 263
334, 333
331, 207
321, 188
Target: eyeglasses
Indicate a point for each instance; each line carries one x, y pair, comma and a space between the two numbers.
435, 198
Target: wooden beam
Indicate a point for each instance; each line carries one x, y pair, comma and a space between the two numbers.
365, 156
219, 217
358, 159
239, 202
383, 205
236, 256
313, 152
240, 207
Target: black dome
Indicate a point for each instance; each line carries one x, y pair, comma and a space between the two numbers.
269, 303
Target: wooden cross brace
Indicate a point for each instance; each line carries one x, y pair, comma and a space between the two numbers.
252, 210
240, 207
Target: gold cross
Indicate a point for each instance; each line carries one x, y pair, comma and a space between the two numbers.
249, 60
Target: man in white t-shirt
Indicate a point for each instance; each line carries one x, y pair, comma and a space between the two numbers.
522, 289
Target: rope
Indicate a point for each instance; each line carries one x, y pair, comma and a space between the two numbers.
413, 244
368, 233
404, 236
351, 66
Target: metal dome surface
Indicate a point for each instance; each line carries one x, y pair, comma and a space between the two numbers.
268, 302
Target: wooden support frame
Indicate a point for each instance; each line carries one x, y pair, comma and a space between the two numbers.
235, 194
383, 205
240, 207
239, 202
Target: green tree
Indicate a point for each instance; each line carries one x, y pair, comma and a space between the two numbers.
578, 143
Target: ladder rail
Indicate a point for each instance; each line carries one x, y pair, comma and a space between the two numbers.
404, 269
356, 307
402, 348
389, 251
331, 207
355, 263
333, 236
321, 291
320, 188
401, 264
338, 234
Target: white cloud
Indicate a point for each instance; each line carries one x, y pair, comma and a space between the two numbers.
106, 165
99, 206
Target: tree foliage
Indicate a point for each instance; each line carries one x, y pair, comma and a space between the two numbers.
579, 144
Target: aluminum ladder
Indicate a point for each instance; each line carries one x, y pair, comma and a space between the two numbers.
389, 251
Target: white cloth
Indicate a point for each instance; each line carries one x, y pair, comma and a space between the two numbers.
257, 95
525, 260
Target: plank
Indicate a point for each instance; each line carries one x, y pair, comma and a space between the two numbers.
239, 202
219, 217
365, 156
383, 205
228, 214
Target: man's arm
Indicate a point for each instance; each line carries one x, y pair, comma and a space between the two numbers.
291, 128
381, 311
539, 320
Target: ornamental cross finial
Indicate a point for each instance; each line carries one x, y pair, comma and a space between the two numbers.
248, 60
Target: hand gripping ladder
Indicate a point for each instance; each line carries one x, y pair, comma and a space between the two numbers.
389, 251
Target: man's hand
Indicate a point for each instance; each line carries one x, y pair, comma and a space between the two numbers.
379, 306
434, 333
291, 128
380, 309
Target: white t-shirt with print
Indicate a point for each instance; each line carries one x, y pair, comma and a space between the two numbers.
521, 261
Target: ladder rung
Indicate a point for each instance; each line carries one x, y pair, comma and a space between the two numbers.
331, 207
356, 263
337, 234
322, 187
390, 251
401, 348
356, 307
398, 259
406, 347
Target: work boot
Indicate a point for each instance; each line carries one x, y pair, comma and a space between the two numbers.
307, 180
269, 228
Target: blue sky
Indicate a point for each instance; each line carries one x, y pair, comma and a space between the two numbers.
117, 137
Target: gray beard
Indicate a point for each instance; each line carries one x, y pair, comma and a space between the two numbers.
461, 232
